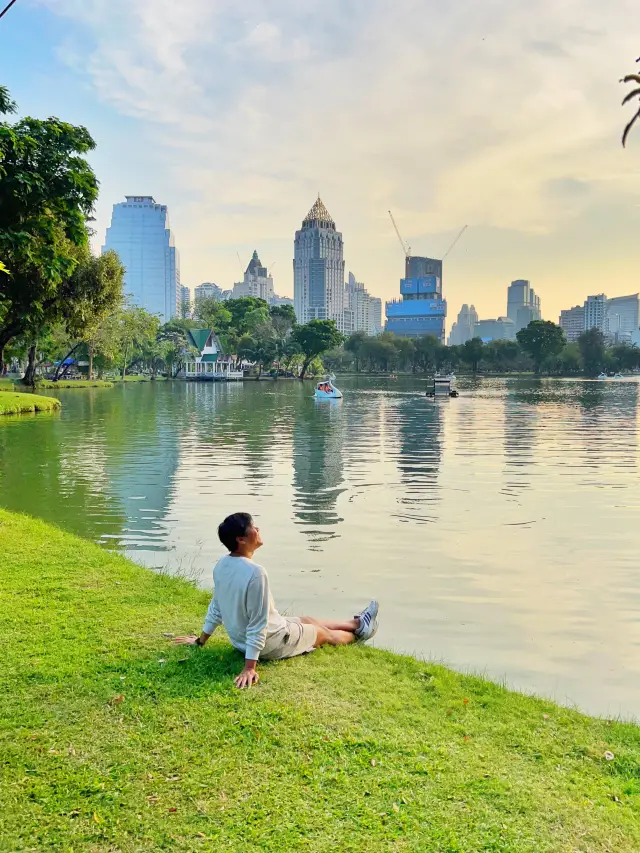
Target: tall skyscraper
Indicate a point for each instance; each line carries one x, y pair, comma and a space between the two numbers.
523, 306
595, 309
318, 269
141, 236
422, 310
463, 328
257, 281
572, 322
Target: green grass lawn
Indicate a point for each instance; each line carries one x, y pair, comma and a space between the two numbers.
74, 383
17, 404
42, 384
114, 741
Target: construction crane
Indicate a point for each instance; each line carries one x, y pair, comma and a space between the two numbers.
406, 248
462, 230
240, 262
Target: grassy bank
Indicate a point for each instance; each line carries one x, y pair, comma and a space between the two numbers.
113, 740
48, 384
17, 404
75, 383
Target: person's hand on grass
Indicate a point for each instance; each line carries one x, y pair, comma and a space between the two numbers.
185, 641
247, 678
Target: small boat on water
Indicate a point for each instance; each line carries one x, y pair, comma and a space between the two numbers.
326, 390
443, 386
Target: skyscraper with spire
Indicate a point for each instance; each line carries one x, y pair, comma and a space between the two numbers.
318, 269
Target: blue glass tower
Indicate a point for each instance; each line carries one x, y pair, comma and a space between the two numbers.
422, 310
140, 234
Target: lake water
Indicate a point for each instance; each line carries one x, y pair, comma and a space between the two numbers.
499, 530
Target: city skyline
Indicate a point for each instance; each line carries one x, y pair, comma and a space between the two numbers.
232, 144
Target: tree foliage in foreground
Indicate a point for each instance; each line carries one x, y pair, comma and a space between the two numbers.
47, 194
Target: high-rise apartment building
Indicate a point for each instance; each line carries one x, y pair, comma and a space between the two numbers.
209, 290
595, 309
141, 236
257, 281
502, 329
523, 306
422, 310
318, 270
572, 322
622, 317
365, 311
463, 328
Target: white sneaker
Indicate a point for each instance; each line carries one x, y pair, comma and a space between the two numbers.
368, 622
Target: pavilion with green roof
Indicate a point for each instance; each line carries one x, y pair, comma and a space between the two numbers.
211, 364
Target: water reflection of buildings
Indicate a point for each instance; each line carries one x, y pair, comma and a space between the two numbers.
141, 464
418, 428
318, 438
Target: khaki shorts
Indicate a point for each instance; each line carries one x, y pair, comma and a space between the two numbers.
296, 639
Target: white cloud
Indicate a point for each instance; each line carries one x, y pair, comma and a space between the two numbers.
448, 113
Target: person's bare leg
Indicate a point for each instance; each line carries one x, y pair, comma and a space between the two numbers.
332, 637
351, 625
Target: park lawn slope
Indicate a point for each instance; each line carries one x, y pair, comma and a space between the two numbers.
74, 383
114, 740
42, 384
17, 404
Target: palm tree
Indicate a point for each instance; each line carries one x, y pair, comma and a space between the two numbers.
634, 93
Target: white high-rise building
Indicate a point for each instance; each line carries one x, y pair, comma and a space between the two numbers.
595, 309
209, 290
257, 281
318, 270
365, 310
572, 322
141, 236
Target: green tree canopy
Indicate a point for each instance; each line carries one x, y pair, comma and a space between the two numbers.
592, 350
541, 339
472, 352
316, 338
47, 194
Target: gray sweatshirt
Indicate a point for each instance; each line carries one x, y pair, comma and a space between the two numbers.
242, 602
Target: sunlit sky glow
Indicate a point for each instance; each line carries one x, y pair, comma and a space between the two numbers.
500, 114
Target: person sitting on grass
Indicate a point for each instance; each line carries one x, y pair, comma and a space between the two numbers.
242, 602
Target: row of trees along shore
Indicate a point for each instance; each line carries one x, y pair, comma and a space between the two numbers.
60, 303
540, 348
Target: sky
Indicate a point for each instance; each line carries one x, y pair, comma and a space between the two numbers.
502, 115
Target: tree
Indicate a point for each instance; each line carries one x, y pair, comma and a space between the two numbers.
472, 352
93, 291
426, 347
47, 193
624, 357
541, 339
175, 341
570, 359
316, 338
592, 350
213, 314
501, 354
634, 93
356, 344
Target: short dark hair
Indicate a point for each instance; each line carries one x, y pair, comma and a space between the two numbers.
233, 527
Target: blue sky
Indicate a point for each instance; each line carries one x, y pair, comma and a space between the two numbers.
500, 114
